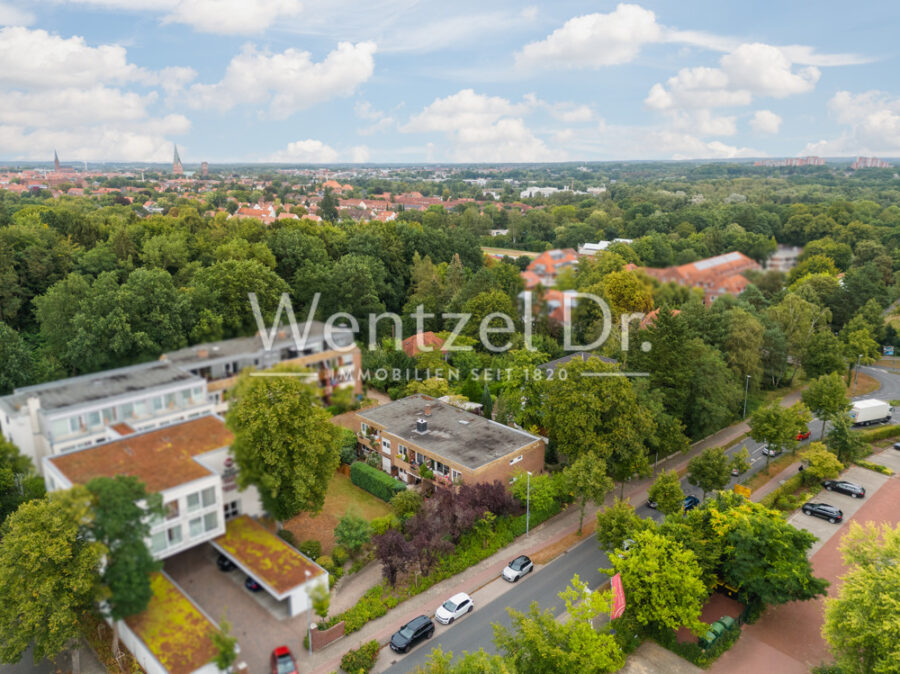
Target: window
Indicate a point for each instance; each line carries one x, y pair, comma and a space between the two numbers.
402, 452
126, 411
171, 510
211, 520
174, 535
209, 496
158, 542
74, 424
516, 460
93, 419
193, 501
455, 475
386, 446
232, 510
197, 392
170, 400
185, 397
364, 428
140, 409
59, 428
196, 526
109, 415
157, 404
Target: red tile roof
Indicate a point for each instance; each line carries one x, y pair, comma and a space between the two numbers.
411, 346
161, 459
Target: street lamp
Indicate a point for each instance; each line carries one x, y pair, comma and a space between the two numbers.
746, 390
308, 611
856, 378
528, 503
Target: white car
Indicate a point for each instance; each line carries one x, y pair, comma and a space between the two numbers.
517, 568
455, 607
769, 450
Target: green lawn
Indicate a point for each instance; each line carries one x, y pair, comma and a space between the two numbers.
342, 497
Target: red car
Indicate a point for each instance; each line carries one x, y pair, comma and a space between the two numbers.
283, 662
803, 435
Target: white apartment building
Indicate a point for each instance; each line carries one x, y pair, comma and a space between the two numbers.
187, 463
49, 419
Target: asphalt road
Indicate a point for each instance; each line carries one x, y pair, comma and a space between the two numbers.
543, 586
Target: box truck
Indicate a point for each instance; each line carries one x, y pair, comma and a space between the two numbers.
866, 412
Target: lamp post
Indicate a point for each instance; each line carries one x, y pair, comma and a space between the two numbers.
528, 503
856, 377
308, 611
746, 390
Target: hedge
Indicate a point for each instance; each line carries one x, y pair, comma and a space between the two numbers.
374, 481
362, 660
877, 467
880, 433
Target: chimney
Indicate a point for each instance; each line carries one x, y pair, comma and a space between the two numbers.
427, 409
202, 353
421, 425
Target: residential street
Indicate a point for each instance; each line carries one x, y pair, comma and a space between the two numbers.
475, 631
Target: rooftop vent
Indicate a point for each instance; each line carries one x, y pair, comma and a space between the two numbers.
427, 409
203, 353
421, 425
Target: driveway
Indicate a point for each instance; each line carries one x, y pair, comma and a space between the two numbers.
220, 594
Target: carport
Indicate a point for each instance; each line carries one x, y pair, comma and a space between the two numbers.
282, 571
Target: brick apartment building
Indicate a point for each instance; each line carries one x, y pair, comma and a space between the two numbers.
455, 444
544, 269
716, 276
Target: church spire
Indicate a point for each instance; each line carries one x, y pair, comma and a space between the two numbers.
55, 161
177, 167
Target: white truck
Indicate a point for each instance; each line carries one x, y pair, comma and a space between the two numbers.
866, 412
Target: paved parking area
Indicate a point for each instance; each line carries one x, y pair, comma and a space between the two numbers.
889, 457
823, 529
220, 594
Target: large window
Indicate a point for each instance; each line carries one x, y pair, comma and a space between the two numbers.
211, 520
193, 501
174, 535
209, 496
232, 509
196, 526
158, 542
93, 419
386, 446
171, 510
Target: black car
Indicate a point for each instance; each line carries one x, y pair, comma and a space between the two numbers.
843, 487
897, 445
252, 585
225, 564
690, 502
825, 511
412, 633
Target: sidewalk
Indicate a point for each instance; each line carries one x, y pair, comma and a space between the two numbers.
776, 481
550, 533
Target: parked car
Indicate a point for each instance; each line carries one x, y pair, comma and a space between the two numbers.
651, 504
690, 502
897, 445
412, 633
455, 607
803, 435
283, 662
252, 585
843, 487
517, 568
626, 546
225, 564
768, 450
825, 511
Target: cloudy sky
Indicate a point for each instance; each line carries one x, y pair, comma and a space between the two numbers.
463, 81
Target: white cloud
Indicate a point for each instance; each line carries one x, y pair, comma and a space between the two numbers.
71, 107
307, 151
765, 121
703, 123
359, 154
687, 146
232, 17
14, 16
571, 113
483, 128
378, 120
36, 58
697, 88
872, 121
288, 81
767, 71
594, 40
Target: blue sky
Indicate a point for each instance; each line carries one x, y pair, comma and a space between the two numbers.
304, 81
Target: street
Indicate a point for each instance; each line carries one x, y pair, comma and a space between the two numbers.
475, 630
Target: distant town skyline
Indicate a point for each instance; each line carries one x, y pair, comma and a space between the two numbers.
401, 81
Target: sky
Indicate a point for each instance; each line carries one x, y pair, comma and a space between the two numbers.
340, 81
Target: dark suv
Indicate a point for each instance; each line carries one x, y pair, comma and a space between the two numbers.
844, 487
412, 633
825, 511
690, 502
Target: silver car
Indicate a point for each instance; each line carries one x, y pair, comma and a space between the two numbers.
517, 568
455, 607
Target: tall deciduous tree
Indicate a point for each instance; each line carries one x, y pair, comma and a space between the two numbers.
587, 479
18, 482
843, 441
537, 643
49, 575
861, 624
663, 583
667, 494
710, 470
618, 523
122, 513
826, 397
778, 426
284, 444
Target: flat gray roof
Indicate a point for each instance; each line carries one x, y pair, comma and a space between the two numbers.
472, 444
98, 386
584, 356
248, 346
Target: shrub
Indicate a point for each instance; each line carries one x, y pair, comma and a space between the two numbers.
348, 455
382, 524
372, 459
406, 503
340, 555
288, 537
362, 660
311, 548
326, 563
352, 532
375, 481
877, 467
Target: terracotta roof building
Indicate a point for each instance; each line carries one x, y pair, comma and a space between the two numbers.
716, 276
